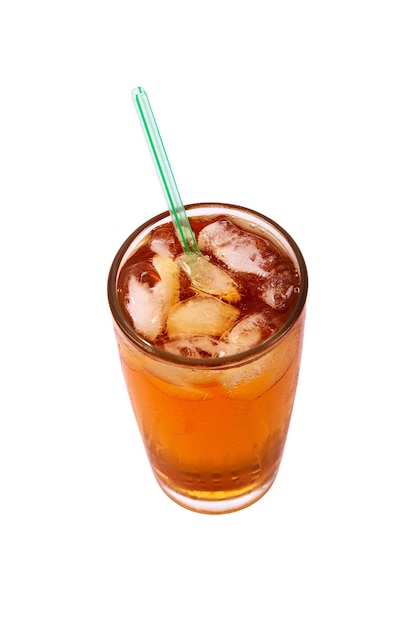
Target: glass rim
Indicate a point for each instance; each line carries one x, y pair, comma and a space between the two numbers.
211, 362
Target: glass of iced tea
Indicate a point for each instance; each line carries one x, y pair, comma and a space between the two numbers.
212, 380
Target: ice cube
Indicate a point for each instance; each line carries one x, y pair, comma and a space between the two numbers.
209, 278
168, 272
239, 250
144, 271
200, 315
149, 289
201, 347
251, 330
147, 306
163, 242
217, 234
277, 290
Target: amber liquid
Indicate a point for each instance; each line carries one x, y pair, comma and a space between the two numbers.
212, 443
214, 436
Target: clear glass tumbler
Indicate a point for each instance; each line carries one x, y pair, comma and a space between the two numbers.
214, 429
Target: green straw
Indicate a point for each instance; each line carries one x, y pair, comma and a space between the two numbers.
203, 275
176, 208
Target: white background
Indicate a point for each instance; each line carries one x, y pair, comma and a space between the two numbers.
305, 111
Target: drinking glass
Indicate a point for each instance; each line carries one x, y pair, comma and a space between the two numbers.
214, 429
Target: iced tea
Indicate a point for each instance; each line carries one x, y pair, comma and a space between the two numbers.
211, 376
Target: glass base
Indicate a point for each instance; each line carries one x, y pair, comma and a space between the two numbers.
217, 507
